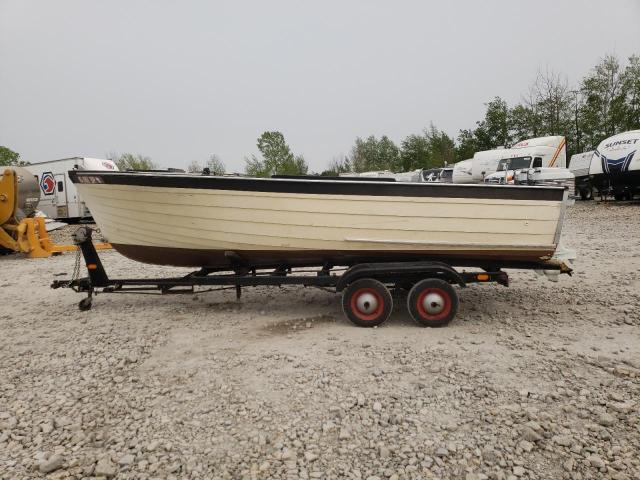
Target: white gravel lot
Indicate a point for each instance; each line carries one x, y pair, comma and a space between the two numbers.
538, 380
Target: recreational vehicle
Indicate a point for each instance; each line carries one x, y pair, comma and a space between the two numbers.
532, 153
412, 176
59, 197
579, 166
370, 174
615, 166
462, 171
442, 174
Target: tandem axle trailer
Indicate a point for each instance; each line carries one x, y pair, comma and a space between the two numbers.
366, 298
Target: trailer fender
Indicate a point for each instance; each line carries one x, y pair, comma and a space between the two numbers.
394, 271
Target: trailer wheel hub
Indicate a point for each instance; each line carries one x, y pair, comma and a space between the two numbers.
433, 303
367, 303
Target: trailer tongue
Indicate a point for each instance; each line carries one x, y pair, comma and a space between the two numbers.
366, 299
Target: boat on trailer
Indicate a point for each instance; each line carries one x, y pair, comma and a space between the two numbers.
407, 235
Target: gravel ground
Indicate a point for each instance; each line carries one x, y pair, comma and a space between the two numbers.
539, 380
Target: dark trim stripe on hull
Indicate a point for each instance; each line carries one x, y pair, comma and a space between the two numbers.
276, 185
220, 260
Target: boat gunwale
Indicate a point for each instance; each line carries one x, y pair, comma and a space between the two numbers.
310, 186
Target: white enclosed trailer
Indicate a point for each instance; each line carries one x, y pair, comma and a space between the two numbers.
579, 166
58, 195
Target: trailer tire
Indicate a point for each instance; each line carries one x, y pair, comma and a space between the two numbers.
367, 302
586, 193
432, 302
85, 304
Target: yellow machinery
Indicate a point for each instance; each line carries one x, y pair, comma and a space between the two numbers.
26, 235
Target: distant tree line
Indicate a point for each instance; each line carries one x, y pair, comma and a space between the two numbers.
129, 161
277, 158
605, 102
213, 166
429, 149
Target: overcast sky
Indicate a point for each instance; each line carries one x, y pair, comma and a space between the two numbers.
180, 80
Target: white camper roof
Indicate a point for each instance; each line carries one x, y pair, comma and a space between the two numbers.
528, 148
551, 141
89, 163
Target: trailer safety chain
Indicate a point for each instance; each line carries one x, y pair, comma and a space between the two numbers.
76, 268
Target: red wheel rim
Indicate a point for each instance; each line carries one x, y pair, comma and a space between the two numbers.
446, 309
362, 315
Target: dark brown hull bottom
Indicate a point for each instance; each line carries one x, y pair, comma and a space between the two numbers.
225, 260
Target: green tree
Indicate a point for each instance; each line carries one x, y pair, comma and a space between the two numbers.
373, 154
10, 158
434, 148
277, 158
337, 166
603, 111
631, 89
442, 147
254, 167
299, 166
216, 165
129, 161
523, 123
493, 130
552, 102
415, 153
467, 145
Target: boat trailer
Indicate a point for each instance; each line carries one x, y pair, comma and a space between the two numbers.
366, 299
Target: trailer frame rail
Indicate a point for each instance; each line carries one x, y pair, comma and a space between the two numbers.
342, 279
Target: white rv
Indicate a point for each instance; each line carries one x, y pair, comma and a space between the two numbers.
412, 176
426, 175
579, 166
440, 174
462, 171
531, 153
371, 174
58, 195
615, 166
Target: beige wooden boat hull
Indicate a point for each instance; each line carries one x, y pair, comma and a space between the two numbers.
199, 226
